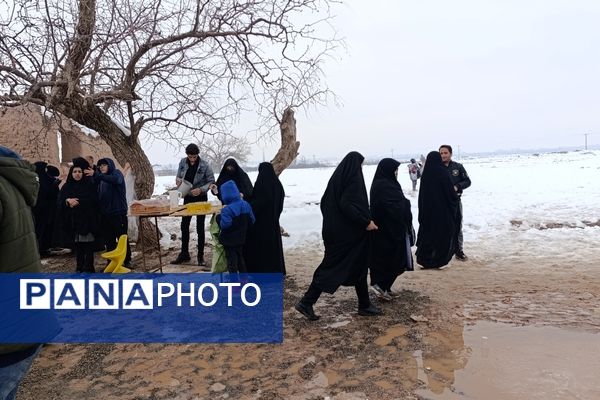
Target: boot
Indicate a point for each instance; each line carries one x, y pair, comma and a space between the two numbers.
370, 311
183, 257
307, 311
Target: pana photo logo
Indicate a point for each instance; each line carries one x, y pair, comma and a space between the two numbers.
141, 308
131, 294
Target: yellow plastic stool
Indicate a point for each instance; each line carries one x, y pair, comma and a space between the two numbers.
116, 257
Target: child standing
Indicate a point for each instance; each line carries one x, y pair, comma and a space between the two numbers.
234, 220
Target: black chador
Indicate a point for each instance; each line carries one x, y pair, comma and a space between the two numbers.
390, 245
264, 249
231, 171
346, 216
82, 221
438, 204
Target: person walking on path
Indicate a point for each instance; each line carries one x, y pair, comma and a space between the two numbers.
346, 224
414, 171
390, 248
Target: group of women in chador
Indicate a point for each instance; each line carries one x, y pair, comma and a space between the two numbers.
263, 250
85, 211
359, 237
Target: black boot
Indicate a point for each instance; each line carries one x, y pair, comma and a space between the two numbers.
183, 257
370, 311
307, 310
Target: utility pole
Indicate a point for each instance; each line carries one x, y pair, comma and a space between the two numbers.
586, 135
392, 153
458, 152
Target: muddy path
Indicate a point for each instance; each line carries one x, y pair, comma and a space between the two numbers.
418, 344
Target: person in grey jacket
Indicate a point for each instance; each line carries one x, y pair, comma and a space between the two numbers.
200, 175
461, 181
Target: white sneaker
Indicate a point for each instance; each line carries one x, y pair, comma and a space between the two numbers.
380, 293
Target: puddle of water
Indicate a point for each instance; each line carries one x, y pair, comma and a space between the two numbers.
390, 334
512, 363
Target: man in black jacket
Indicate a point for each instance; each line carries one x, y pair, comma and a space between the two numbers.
461, 181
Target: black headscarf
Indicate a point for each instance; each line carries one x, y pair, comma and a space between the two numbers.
82, 219
264, 249
53, 171
47, 193
270, 187
81, 163
438, 205
238, 175
345, 197
385, 187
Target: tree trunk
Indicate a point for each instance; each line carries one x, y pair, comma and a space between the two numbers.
289, 145
125, 149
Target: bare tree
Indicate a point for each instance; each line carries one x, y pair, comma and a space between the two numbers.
170, 69
218, 148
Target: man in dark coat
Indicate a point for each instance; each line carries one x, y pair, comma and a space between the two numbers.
231, 171
112, 202
438, 202
390, 247
461, 181
346, 221
264, 248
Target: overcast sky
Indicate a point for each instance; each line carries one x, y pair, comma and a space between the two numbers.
482, 74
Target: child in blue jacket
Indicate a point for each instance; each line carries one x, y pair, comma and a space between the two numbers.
234, 220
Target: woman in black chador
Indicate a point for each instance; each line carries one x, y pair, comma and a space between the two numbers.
390, 246
45, 207
231, 171
263, 251
438, 204
80, 218
346, 220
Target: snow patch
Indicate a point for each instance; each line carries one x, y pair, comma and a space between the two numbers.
86, 130
122, 127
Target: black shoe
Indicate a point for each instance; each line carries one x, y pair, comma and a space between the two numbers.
370, 311
184, 256
201, 261
307, 311
461, 256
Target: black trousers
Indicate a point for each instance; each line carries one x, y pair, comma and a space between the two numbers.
235, 259
113, 226
459, 232
362, 292
185, 228
84, 255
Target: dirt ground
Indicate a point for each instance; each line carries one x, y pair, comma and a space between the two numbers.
343, 355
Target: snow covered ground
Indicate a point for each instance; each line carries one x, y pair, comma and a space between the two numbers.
518, 206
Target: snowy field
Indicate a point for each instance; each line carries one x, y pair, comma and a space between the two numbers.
518, 206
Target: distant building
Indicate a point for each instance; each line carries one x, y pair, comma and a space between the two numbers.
36, 137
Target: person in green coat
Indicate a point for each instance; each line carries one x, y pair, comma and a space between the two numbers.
18, 254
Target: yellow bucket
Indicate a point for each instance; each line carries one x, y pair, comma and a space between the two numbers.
201, 206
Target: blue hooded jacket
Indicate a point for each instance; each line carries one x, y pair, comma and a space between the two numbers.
111, 189
235, 217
